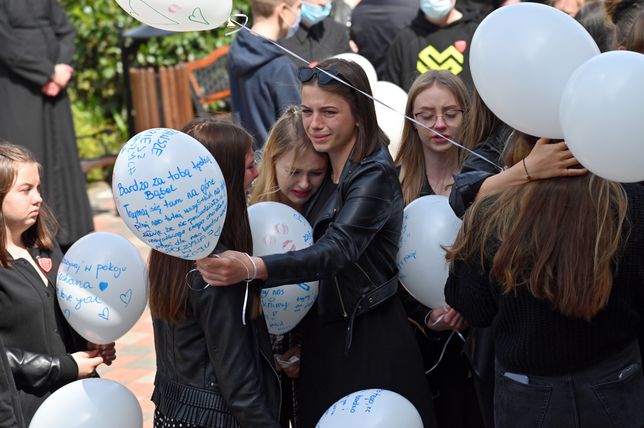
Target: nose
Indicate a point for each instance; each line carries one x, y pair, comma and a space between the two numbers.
440, 123
316, 121
304, 183
254, 172
37, 197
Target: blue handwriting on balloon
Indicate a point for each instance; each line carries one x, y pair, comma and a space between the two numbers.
126, 297
105, 314
116, 271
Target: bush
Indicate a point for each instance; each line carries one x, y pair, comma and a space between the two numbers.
97, 92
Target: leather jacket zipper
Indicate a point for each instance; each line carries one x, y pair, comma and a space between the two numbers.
337, 287
365, 274
279, 383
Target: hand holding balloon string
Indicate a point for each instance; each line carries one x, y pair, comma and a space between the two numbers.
231, 267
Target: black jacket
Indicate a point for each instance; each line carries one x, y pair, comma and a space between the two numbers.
39, 373
31, 320
356, 236
213, 371
318, 42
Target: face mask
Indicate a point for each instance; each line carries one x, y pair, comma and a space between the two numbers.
293, 28
436, 9
313, 13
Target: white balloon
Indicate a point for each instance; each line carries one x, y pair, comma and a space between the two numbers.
96, 403
364, 63
602, 115
170, 192
429, 223
371, 408
184, 15
278, 228
101, 286
391, 122
521, 58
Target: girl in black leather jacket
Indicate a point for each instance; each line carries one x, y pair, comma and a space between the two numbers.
356, 336
213, 369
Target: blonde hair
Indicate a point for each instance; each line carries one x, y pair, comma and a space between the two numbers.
410, 157
287, 134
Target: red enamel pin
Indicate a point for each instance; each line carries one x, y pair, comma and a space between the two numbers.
45, 263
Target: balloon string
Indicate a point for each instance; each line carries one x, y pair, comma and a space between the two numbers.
411, 119
440, 358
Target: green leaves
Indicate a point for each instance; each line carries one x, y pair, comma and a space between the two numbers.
98, 90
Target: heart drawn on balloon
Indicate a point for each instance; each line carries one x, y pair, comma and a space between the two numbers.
67, 313
197, 16
126, 297
105, 314
103, 285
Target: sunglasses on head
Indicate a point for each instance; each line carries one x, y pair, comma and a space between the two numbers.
305, 74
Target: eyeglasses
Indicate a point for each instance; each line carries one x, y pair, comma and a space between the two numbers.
451, 117
306, 74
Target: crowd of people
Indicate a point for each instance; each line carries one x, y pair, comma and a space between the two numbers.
545, 274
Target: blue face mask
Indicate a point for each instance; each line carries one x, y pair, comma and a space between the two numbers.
293, 28
436, 9
313, 13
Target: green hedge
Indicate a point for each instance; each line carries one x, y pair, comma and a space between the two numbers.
97, 90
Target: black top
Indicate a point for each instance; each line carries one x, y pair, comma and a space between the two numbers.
375, 24
32, 320
318, 42
424, 46
532, 338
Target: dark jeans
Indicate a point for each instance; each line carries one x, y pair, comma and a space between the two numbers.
608, 394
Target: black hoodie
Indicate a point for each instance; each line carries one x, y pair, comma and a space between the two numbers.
424, 46
263, 82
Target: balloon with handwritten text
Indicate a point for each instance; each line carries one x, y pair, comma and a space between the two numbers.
428, 224
179, 15
278, 228
95, 403
101, 286
170, 192
371, 408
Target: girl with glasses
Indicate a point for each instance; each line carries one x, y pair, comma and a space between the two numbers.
356, 335
427, 161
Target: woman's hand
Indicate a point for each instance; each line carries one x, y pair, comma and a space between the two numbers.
548, 160
62, 74
87, 361
445, 318
107, 352
231, 267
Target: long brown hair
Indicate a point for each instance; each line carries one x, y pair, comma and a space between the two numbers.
410, 157
229, 144
559, 237
286, 135
42, 233
369, 136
